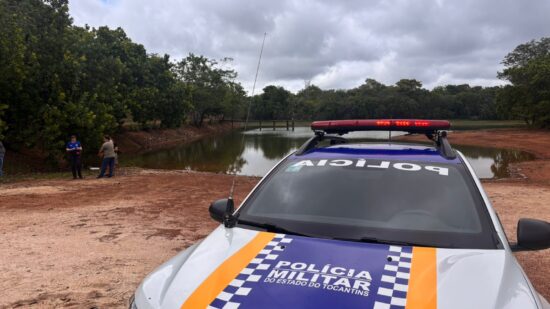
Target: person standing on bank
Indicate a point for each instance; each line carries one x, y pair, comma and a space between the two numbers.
2, 154
74, 150
107, 151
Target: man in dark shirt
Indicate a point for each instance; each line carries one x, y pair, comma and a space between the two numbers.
74, 150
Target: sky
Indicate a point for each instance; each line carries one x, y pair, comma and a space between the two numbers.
332, 44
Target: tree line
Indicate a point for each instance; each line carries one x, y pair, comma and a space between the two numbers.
58, 79
405, 99
527, 68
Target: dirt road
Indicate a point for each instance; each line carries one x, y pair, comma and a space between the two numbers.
86, 244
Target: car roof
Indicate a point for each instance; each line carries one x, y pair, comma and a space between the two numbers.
380, 151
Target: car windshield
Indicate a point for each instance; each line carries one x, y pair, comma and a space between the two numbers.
427, 204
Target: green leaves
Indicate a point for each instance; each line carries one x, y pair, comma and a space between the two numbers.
59, 79
274, 103
528, 70
3, 124
210, 89
405, 99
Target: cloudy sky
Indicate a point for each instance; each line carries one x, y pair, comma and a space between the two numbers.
332, 44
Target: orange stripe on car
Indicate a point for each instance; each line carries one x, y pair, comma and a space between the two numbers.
422, 291
226, 272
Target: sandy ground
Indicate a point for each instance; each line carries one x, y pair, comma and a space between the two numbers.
88, 244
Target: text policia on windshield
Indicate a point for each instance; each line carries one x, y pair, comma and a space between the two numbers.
362, 163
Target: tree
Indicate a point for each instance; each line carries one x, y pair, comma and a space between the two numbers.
408, 85
274, 104
206, 83
3, 124
305, 102
405, 99
166, 96
234, 101
59, 79
527, 68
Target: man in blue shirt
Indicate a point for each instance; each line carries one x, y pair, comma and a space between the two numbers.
74, 150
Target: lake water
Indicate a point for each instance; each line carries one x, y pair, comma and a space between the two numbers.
263, 149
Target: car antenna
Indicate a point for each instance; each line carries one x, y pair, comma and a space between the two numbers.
230, 203
389, 132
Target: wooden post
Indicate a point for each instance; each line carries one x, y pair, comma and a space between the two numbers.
273, 125
260, 124
287, 124
293, 125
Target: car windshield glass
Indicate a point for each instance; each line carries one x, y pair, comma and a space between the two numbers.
421, 203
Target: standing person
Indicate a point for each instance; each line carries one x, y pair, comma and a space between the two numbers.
115, 147
74, 150
107, 151
2, 154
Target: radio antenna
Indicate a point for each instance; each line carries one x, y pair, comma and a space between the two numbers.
232, 190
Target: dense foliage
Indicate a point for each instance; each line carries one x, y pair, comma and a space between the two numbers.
528, 71
58, 79
406, 99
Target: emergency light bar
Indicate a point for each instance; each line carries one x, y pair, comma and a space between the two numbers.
407, 125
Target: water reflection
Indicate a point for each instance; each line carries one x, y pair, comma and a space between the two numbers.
263, 149
493, 162
219, 154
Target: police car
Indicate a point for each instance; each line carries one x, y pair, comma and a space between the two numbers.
344, 225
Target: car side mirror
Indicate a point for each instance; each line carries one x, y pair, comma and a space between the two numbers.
222, 211
532, 234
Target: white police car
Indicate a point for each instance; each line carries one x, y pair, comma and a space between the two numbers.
346, 225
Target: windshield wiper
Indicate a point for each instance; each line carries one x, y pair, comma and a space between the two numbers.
384, 241
271, 227
279, 229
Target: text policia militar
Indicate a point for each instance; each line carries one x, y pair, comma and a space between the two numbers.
328, 277
362, 163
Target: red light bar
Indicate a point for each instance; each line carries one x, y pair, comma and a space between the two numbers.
407, 125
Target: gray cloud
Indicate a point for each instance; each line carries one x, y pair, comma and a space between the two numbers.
334, 44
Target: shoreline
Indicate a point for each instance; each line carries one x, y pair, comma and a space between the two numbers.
28, 164
135, 142
536, 142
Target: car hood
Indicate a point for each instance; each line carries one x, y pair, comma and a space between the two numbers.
250, 269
